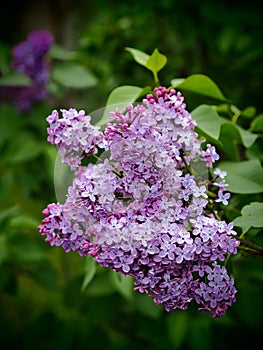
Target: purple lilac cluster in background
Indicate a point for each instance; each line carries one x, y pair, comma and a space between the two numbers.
29, 58
141, 210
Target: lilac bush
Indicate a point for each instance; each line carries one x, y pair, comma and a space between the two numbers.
143, 209
29, 58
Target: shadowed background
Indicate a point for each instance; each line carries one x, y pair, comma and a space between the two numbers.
45, 298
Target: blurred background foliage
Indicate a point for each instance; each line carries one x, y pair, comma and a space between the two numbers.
49, 299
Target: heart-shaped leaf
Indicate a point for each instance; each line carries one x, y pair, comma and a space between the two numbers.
243, 177
200, 84
251, 216
119, 97
156, 62
208, 121
72, 75
138, 55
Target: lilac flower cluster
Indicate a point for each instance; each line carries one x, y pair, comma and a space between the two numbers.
29, 59
142, 210
74, 136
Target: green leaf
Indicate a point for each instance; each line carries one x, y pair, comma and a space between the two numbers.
59, 52
247, 137
177, 81
249, 112
254, 152
233, 134
145, 306
24, 221
178, 327
15, 79
7, 214
123, 284
202, 85
230, 138
119, 97
156, 62
63, 178
10, 125
3, 249
101, 285
208, 121
90, 270
251, 216
257, 124
22, 148
50, 152
139, 56
243, 177
44, 274
26, 251
72, 75
200, 336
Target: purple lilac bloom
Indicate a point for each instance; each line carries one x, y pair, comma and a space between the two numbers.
29, 58
141, 212
210, 155
223, 197
74, 135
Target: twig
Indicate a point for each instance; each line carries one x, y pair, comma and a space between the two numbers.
251, 248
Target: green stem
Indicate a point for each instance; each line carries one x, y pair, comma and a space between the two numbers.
156, 79
216, 214
188, 168
226, 260
235, 117
250, 247
95, 156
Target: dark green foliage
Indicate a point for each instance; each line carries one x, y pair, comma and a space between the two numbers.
52, 300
